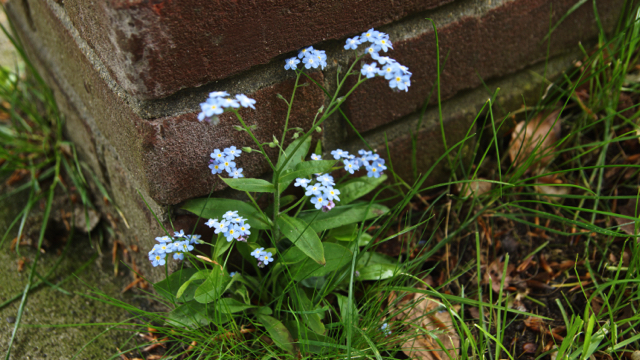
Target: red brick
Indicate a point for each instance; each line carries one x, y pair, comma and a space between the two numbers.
176, 150
504, 40
154, 48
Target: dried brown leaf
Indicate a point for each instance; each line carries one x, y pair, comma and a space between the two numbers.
543, 131
426, 314
474, 188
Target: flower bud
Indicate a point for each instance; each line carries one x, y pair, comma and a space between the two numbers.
248, 150
275, 141
238, 128
318, 129
321, 109
295, 135
271, 145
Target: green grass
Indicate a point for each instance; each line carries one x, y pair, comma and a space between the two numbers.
459, 234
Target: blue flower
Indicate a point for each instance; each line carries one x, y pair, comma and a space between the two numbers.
239, 220
232, 274
315, 156
218, 155
266, 258
163, 239
236, 173
178, 256
215, 168
404, 69
351, 166
228, 165
389, 70
305, 52
244, 229
184, 246
338, 153
232, 233
321, 57
222, 227
373, 171
384, 44
193, 239
384, 60
406, 83
364, 152
229, 102
398, 82
257, 253
314, 190
232, 152
157, 259
369, 36
330, 205
218, 94
212, 223
332, 194
302, 182
245, 101
319, 201
229, 215
291, 64
326, 180
372, 50
386, 330
178, 233
211, 107
369, 70
310, 62
164, 248
352, 43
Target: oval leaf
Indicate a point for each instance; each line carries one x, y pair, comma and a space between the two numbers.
294, 159
337, 256
277, 331
378, 272
359, 187
231, 306
342, 215
249, 184
213, 287
213, 208
302, 236
169, 287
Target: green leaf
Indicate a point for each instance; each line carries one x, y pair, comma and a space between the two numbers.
231, 306
378, 272
343, 302
169, 287
190, 314
344, 233
303, 237
292, 255
296, 158
213, 287
214, 208
313, 320
249, 184
221, 246
364, 239
277, 331
200, 275
342, 215
337, 256
307, 168
358, 187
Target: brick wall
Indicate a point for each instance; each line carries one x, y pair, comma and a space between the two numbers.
131, 73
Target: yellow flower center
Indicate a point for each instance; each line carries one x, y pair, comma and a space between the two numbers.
374, 169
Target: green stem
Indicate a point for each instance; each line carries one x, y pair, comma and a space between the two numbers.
244, 125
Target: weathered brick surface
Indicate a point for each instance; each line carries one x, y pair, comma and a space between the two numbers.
168, 157
155, 48
505, 39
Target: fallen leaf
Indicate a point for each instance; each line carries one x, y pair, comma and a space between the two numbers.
493, 275
529, 348
474, 188
526, 137
81, 219
435, 321
630, 209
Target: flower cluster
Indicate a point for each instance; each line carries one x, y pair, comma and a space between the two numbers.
398, 75
386, 329
232, 226
321, 192
264, 257
225, 161
310, 57
219, 100
373, 163
178, 244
